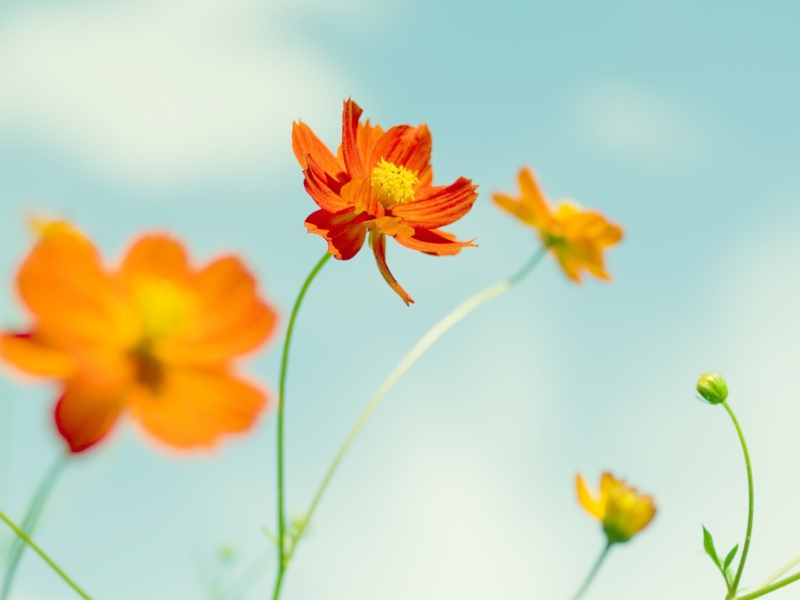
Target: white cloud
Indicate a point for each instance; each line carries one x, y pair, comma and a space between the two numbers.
155, 90
634, 125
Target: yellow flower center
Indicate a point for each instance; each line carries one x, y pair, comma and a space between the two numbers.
163, 308
393, 184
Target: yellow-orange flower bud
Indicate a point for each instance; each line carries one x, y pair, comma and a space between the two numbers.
622, 510
712, 387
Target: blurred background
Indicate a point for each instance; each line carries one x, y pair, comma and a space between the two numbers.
677, 119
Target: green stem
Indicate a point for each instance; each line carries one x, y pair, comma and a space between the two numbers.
29, 523
283, 559
416, 352
775, 586
781, 572
590, 577
746, 547
44, 556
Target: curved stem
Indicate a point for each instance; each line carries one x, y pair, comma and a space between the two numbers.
418, 350
775, 586
44, 556
29, 523
283, 559
746, 546
590, 577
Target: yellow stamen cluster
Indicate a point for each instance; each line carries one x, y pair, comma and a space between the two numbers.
393, 184
163, 308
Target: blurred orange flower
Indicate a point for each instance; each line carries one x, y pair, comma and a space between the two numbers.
576, 237
379, 182
154, 338
623, 511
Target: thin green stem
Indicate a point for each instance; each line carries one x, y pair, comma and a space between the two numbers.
416, 352
593, 573
746, 546
29, 522
783, 570
771, 588
282, 556
44, 556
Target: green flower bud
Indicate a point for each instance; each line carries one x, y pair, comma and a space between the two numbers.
712, 387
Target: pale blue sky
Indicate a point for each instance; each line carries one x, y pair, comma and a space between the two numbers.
678, 121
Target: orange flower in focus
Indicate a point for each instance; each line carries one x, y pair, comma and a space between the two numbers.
623, 511
379, 182
154, 338
576, 237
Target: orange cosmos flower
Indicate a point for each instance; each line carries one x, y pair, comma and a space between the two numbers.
623, 511
154, 337
576, 237
379, 182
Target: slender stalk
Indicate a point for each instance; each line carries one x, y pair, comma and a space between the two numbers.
282, 556
783, 570
29, 523
590, 577
416, 352
771, 588
44, 556
746, 546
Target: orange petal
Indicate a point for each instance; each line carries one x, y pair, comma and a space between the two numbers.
368, 137
440, 208
195, 408
305, 143
63, 283
350, 151
230, 320
433, 241
358, 193
532, 195
157, 257
28, 352
324, 189
378, 243
404, 146
516, 208
345, 231
594, 507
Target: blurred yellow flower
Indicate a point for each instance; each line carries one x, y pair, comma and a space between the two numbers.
576, 237
623, 511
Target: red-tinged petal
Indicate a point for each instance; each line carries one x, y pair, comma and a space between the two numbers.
63, 283
94, 398
157, 257
425, 178
84, 419
359, 194
230, 319
305, 143
345, 231
433, 241
378, 243
196, 407
439, 208
350, 151
404, 146
323, 189
31, 354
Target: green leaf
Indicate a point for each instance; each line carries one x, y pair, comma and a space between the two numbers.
708, 544
730, 557
272, 537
